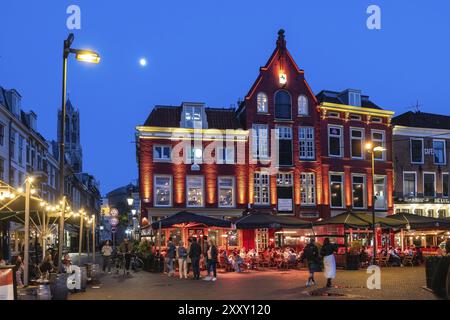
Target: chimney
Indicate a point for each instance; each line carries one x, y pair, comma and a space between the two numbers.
32, 120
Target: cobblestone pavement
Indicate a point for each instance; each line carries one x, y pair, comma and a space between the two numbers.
396, 284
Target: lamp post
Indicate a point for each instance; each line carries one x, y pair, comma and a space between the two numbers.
371, 149
85, 56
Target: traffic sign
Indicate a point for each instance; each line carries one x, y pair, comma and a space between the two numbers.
114, 212
114, 221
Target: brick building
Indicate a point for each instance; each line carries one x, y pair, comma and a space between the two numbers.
421, 164
283, 151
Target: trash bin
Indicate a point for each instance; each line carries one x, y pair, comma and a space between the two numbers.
59, 288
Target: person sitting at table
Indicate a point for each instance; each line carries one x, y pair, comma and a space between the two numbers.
47, 265
67, 263
394, 259
237, 262
419, 259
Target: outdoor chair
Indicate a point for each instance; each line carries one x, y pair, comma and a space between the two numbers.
384, 260
408, 260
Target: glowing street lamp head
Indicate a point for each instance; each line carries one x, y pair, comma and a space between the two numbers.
379, 149
88, 56
368, 146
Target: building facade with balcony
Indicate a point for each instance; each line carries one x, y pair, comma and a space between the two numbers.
420, 147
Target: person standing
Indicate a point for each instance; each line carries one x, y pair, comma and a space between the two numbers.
329, 262
182, 264
106, 254
188, 259
447, 247
194, 254
171, 253
311, 254
211, 266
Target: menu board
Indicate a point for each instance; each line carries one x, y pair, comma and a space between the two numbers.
7, 283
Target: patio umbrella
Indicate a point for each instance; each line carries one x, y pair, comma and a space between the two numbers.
268, 221
417, 222
186, 219
359, 220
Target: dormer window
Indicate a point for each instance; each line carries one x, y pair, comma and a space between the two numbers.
262, 103
194, 116
354, 98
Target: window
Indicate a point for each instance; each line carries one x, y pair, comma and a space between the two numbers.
2, 169
378, 140
193, 117
261, 188
162, 153
303, 106
284, 144
337, 190
20, 152
429, 184
308, 189
409, 184
194, 191
357, 141
285, 192
445, 185
283, 105
163, 191
439, 151
377, 120
2, 134
380, 192
27, 152
335, 143
442, 214
355, 117
306, 143
359, 192
226, 192
262, 103
416, 150
12, 177
12, 144
194, 155
260, 141
225, 155
354, 98
334, 115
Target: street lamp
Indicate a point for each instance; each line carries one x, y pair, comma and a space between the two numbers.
371, 149
130, 201
85, 56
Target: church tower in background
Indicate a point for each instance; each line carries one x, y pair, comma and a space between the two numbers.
74, 153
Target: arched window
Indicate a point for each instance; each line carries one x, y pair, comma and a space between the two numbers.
283, 105
262, 103
303, 106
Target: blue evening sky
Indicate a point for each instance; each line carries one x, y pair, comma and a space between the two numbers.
210, 51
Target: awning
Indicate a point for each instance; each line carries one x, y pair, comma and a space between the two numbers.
416, 222
360, 220
186, 219
268, 221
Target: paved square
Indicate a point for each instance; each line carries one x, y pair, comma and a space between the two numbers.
397, 284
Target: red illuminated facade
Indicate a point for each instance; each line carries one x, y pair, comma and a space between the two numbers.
284, 151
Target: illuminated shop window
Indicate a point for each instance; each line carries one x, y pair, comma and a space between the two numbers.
194, 189
226, 192
163, 191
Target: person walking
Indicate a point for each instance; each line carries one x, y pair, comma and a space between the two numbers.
106, 254
171, 254
195, 253
329, 262
211, 265
182, 254
311, 255
126, 249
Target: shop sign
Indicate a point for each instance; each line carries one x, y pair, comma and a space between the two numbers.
427, 200
285, 205
114, 212
114, 221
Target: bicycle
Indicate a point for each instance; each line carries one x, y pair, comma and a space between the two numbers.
136, 263
119, 263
